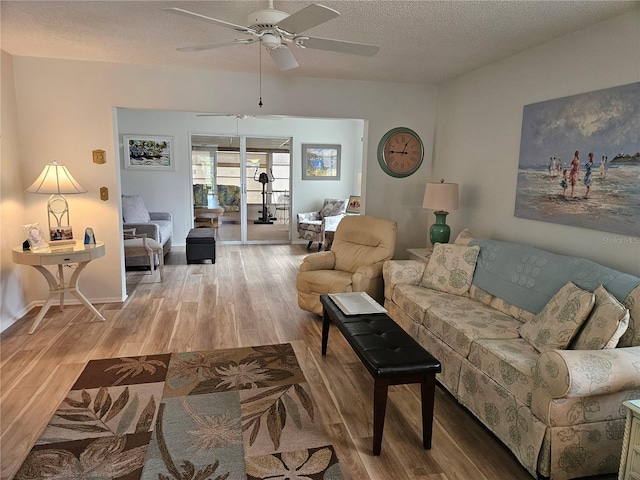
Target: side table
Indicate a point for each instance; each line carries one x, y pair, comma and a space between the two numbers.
630, 460
78, 253
423, 254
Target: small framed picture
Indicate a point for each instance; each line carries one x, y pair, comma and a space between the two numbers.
320, 162
144, 152
354, 204
35, 236
60, 233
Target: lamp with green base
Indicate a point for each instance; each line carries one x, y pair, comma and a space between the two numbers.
441, 197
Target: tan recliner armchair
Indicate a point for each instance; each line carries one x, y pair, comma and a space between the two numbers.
361, 245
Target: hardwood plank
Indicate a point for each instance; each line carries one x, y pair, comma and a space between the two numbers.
247, 297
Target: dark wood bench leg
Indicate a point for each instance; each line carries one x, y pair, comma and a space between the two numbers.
428, 390
326, 321
380, 390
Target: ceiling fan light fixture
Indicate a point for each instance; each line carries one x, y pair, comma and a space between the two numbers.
270, 40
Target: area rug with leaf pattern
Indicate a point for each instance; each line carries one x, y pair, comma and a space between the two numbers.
242, 413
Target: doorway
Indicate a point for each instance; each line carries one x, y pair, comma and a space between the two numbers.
246, 183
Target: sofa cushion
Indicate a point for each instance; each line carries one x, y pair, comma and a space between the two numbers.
559, 321
415, 301
631, 338
509, 362
505, 307
450, 268
134, 210
607, 322
458, 323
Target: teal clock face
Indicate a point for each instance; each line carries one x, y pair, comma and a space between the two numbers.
400, 152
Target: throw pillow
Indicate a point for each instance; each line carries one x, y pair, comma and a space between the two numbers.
134, 210
333, 207
450, 268
558, 322
608, 321
464, 237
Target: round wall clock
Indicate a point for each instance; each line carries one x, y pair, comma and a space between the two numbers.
400, 152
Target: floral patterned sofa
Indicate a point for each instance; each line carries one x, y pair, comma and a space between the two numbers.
541, 348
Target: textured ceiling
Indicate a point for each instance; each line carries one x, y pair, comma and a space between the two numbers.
426, 42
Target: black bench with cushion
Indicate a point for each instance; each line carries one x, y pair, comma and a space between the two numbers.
391, 356
201, 245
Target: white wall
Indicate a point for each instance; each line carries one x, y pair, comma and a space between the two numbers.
170, 191
65, 109
477, 139
13, 297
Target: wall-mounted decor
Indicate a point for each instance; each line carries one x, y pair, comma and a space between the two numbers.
320, 162
99, 157
143, 152
580, 161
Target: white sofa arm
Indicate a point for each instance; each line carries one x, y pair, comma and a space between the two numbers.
401, 272
167, 216
562, 374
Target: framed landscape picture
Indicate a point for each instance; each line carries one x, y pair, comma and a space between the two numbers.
320, 162
580, 161
143, 152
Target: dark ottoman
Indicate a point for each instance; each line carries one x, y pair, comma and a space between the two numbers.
201, 245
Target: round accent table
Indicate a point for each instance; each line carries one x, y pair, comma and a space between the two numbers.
78, 253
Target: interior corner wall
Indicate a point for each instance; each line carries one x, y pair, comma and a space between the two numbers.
478, 127
66, 110
13, 296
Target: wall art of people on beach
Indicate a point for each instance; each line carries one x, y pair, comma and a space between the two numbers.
580, 161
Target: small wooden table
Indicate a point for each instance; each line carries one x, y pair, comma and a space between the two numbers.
76, 253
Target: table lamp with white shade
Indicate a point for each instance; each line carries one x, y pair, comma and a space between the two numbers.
441, 197
56, 180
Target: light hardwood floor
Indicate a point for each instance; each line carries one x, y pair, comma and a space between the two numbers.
247, 298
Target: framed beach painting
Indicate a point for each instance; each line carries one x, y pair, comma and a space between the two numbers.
320, 162
144, 152
580, 161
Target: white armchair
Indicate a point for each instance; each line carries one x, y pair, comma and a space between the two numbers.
312, 225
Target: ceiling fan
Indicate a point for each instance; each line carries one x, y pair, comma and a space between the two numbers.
276, 30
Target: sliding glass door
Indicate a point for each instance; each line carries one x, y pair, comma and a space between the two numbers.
245, 182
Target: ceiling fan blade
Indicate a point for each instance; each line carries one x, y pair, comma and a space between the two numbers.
339, 46
283, 58
242, 41
215, 21
307, 18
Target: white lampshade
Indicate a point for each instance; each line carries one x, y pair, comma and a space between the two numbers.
441, 196
56, 179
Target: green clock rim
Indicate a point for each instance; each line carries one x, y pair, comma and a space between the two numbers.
381, 159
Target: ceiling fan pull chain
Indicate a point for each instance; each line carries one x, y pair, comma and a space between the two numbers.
260, 49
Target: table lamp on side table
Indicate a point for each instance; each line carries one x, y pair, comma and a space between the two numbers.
55, 180
441, 197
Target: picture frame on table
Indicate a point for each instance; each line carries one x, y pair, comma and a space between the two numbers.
353, 206
321, 161
36, 237
61, 233
148, 152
